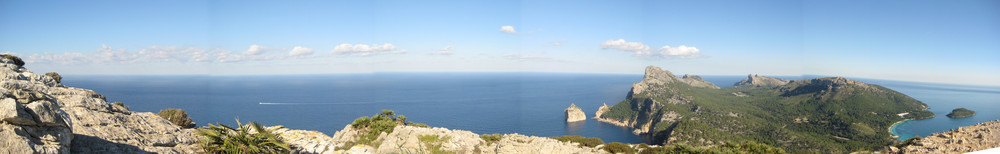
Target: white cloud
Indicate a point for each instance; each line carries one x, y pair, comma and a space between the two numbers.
299, 51
526, 58
443, 51
155, 54
366, 50
641, 50
558, 43
256, 50
680, 51
508, 29
621, 44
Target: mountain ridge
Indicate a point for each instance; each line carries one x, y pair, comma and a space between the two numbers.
822, 114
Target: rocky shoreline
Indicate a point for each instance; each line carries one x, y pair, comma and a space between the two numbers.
981, 136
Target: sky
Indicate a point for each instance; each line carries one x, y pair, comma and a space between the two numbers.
909, 40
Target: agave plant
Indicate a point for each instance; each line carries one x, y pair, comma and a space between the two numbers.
249, 138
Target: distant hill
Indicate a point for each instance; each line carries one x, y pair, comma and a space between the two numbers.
832, 114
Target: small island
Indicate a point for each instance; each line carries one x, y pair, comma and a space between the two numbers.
961, 113
574, 114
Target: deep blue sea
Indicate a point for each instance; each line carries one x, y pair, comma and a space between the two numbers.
524, 103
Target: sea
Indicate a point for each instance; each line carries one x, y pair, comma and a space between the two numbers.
484, 103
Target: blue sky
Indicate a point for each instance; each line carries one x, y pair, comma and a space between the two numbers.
930, 41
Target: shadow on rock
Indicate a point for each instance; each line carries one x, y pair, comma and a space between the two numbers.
91, 144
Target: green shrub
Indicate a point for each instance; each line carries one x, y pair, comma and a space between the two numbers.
55, 76
433, 143
642, 146
378, 123
122, 105
744, 147
616, 147
249, 138
584, 141
17, 60
177, 117
491, 137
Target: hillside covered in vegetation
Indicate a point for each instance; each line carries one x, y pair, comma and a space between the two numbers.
831, 114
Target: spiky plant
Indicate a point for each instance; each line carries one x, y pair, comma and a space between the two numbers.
249, 138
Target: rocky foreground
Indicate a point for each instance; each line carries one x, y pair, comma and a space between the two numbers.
964, 139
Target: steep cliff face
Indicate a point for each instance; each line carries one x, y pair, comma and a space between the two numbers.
842, 114
964, 139
574, 114
41, 115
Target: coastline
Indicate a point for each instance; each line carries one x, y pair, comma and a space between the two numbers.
894, 136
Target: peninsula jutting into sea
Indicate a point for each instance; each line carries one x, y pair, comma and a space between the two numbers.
680, 114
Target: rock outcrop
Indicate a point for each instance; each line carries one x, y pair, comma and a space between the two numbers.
657, 76
409, 139
41, 115
757, 80
964, 139
697, 81
574, 114
601, 110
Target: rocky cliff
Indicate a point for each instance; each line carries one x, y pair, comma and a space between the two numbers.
574, 114
964, 139
41, 115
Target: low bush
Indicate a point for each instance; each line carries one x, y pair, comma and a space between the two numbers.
584, 141
120, 104
491, 137
616, 147
744, 147
177, 117
17, 60
55, 76
379, 123
249, 138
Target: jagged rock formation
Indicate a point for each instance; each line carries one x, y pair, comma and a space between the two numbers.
757, 80
574, 114
656, 76
41, 115
601, 110
964, 139
841, 113
697, 81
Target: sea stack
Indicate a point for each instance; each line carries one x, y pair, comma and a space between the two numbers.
574, 114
